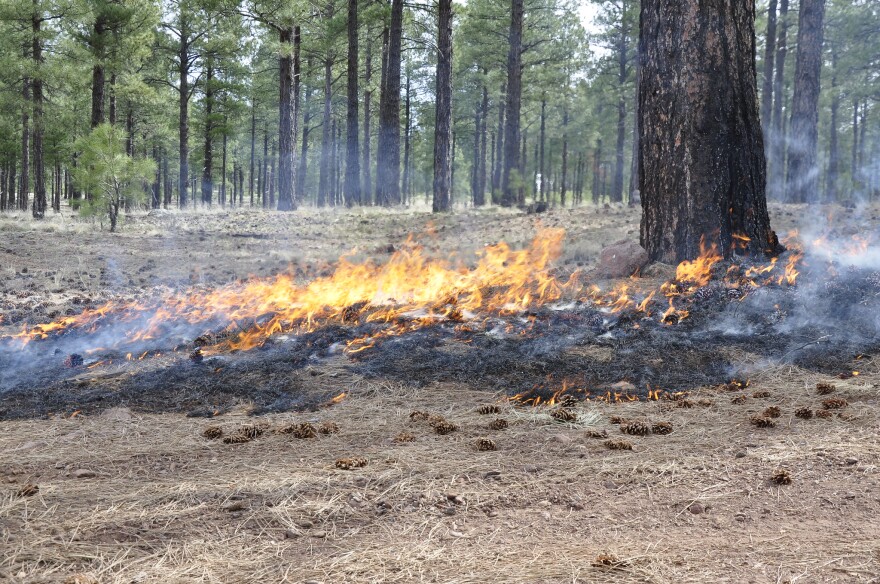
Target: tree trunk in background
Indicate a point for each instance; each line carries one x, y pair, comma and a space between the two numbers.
183, 127
634, 195
443, 109
111, 105
597, 170
367, 182
854, 162
802, 185
24, 180
776, 158
484, 115
326, 138
208, 162
407, 144
542, 185
253, 149
306, 132
563, 185
156, 187
39, 207
831, 178
769, 54
264, 174
223, 166
167, 186
622, 63
98, 31
388, 152
511, 181
285, 180
475, 166
273, 176
352, 186
498, 149
701, 156
294, 130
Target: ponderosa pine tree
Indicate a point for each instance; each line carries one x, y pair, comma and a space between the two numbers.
443, 109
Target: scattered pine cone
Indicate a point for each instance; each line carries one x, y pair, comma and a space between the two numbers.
772, 412
761, 394
596, 434
498, 424
803, 413
617, 420
781, 477
567, 401
618, 445
73, 360
350, 463
704, 402
253, 430
485, 444
212, 432
419, 416
824, 414
444, 427
564, 415
488, 409
762, 422
304, 430
825, 388
328, 427
237, 437
636, 428
662, 428
28, 490
605, 561
740, 399
834, 403
405, 437
684, 403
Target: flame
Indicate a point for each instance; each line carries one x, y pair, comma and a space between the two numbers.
699, 271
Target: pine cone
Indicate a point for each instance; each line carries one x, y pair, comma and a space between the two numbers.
762, 422
498, 424
804, 413
635, 428
761, 394
740, 399
485, 444
825, 388
563, 415
403, 437
617, 420
824, 414
605, 560
419, 416
28, 490
618, 445
444, 427
781, 477
237, 437
772, 412
834, 403
351, 463
328, 427
662, 428
684, 403
212, 432
596, 434
488, 409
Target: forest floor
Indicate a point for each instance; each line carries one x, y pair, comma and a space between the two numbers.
129, 496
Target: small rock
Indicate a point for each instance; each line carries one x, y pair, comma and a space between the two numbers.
305, 524
84, 473
740, 454
290, 534
449, 510
492, 475
621, 260
696, 508
319, 534
235, 506
852, 461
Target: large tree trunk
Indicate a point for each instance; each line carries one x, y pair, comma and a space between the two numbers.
324, 177
352, 186
776, 158
802, 183
208, 163
443, 109
769, 54
285, 180
701, 157
39, 208
367, 183
511, 181
388, 155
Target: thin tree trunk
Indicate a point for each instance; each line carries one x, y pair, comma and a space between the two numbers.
634, 195
99, 30
833, 148
769, 54
484, 131
511, 181
306, 130
367, 182
223, 167
388, 160
541, 167
564, 183
352, 187
166, 202
264, 182
702, 170
443, 109
285, 180
39, 208
183, 121
776, 158
475, 165
802, 184
407, 132
208, 163
24, 180
622, 75
498, 149
326, 138
253, 149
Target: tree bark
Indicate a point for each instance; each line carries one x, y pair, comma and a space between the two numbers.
498, 149
769, 54
367, 183
183, 121
484, 132
253, 149
622, 75
406, 181
776, 158
286, 140
388, 155
802, 185
564, 179
306, 131
701, 156
443, 109
352, 186
511, 181
99, 31
324, 177
208, 162
39, 207
634, 194
24, 180
542, 185
831, 178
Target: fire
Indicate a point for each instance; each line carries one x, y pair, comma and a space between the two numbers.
699, 271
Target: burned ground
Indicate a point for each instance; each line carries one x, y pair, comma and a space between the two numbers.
128, 489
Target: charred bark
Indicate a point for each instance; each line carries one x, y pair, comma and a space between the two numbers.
511, 180
443, 109
701, 156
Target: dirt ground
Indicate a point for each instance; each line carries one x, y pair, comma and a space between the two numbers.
124, 496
